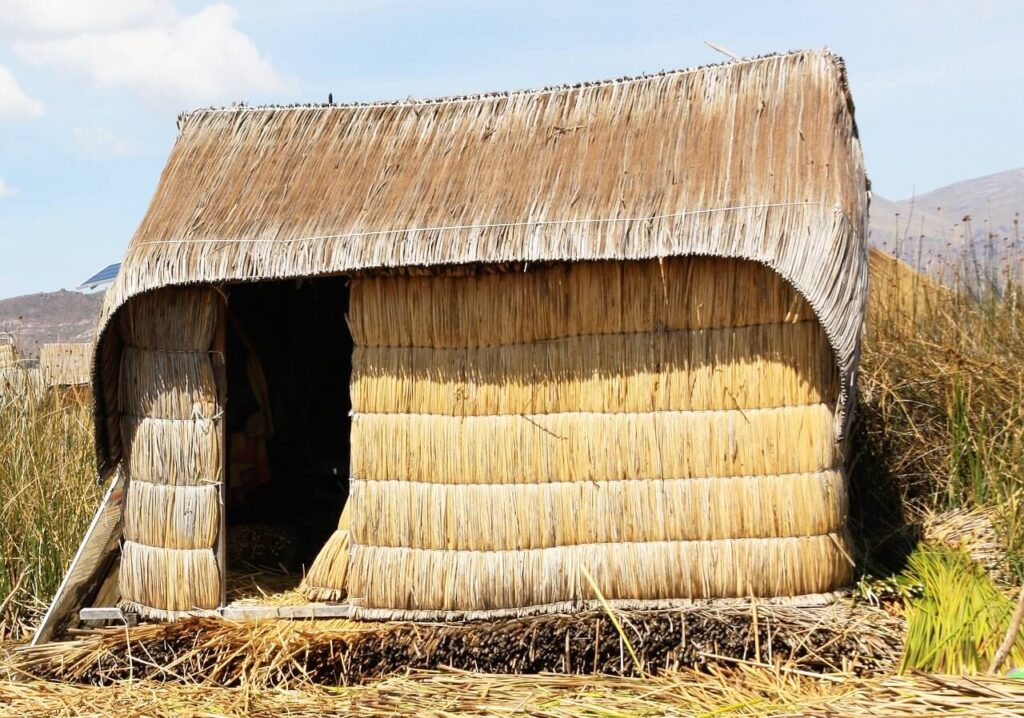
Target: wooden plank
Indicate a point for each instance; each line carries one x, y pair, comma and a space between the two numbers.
102, 613
305, 611
234, 613
218, 357
101, 539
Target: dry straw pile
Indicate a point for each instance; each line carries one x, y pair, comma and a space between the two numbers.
743, 691
667, 426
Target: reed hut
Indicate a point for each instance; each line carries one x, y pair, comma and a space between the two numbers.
492, 355
65, 364
8, 353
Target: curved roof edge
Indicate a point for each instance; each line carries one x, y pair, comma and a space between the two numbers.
830, 274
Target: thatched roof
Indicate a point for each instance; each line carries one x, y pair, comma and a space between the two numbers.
755, 159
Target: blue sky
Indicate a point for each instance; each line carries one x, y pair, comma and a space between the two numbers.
89, 90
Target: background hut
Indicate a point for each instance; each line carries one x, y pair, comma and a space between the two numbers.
512, 340
8, 352
65, 364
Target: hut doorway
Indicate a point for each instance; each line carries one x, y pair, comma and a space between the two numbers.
289, 360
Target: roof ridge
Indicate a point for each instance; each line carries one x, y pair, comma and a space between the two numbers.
500, 94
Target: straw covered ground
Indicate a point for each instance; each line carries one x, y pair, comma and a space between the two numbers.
844, 637
742, 691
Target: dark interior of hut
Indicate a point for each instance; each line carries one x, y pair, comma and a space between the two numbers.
289, 360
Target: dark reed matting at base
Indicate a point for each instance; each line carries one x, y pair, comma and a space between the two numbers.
844, 637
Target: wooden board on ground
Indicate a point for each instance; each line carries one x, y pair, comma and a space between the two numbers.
90, 565
235, 613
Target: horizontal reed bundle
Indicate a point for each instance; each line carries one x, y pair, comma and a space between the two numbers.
569, 300
431, 581
67, 364
177, 452
539, 448
529, 516
173, 319
162, 384
159, 582
175, 517
724, 368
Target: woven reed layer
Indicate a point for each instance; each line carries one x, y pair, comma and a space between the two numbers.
683, 370
756, 159
171, 427
630, 431
437, 581
65, 364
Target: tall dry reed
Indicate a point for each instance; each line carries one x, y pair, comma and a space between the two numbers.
942, 386
48, 494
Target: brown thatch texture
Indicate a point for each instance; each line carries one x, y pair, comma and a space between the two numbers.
756, 159
171, 424
631, 432
65, 364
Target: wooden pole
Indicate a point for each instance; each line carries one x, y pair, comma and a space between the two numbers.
218, 357
1011, 635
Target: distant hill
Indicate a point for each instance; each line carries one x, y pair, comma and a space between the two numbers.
36, 319
992, 203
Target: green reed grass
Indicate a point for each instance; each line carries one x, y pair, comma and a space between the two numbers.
960, 618
48, 495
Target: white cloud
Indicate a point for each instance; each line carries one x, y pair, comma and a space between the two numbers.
170, 62
14, 103
102, 143
69, 17
6, 190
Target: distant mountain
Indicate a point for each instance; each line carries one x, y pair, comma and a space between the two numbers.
940, 221
36, 319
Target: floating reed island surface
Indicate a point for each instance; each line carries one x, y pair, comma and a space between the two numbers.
741, 691
846, 637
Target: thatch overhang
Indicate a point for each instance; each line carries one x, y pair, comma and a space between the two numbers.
755, 159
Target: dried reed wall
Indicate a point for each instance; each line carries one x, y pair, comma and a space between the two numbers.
68, 364
171, 427
669, 426
8, 356
901, 295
